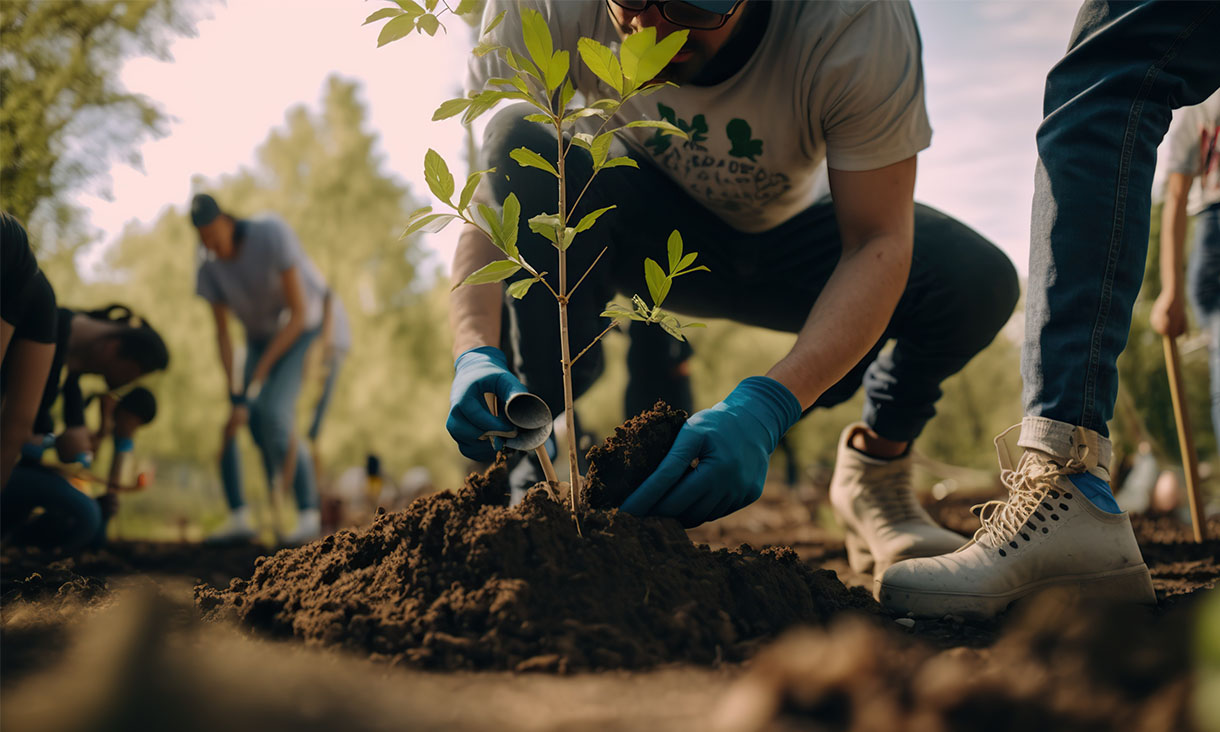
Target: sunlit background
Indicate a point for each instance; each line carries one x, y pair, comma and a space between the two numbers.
262, 95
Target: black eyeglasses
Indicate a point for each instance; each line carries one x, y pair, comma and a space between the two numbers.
679, 13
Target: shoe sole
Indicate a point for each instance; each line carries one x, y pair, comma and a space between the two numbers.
1131, 585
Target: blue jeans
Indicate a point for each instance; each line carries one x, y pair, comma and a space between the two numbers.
1204, 286
1108, 103
272, 421
960, 292
332, 366
70, 520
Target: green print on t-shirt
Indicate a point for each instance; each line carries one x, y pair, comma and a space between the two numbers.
744, 146
696, 128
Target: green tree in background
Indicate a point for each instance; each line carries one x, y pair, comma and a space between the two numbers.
321, 173
65, 116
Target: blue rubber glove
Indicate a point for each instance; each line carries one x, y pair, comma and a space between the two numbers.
476, 372
733, 442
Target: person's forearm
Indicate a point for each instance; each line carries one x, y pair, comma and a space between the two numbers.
279, 345
474, 310
1173, 239
226, 361
848, 318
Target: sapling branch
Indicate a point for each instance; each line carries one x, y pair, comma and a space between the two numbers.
595, 340
587, 271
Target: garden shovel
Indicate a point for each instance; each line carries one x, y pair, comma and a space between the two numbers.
533, 421
1190, 459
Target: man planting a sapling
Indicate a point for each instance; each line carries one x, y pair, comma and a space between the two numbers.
765, 92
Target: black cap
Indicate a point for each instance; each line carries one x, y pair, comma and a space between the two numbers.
203, 210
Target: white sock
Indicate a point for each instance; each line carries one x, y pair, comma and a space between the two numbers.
240, 517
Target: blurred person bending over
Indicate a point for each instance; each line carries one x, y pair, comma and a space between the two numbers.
27, 340
1108, 104
118, 346
1193, 189
769, 91
256, 270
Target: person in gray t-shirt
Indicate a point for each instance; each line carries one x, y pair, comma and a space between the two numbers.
257, 270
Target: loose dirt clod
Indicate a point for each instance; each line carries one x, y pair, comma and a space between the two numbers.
620, 464
464, 581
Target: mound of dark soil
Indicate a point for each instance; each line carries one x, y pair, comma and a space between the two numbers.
465, 581
628, 457
1058, 665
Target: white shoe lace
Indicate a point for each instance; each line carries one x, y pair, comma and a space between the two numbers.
1028, 486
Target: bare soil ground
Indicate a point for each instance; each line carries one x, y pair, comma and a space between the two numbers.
114, 640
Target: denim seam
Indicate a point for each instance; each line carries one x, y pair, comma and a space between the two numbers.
1124, 173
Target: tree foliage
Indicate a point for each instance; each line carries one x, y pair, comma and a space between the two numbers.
321, 173
65, 116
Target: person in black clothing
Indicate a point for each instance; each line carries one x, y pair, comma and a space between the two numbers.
27, 339
118, 346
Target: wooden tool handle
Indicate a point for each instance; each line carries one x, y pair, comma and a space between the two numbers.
1190, 458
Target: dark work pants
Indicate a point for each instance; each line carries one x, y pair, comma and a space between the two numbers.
961, 290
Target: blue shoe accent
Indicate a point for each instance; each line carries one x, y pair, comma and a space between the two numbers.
1096, 490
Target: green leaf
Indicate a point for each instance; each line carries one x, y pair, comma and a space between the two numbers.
700, 268
395, 29
412, 8
658, 283
582, 139
582, 113
437, 175
429, 224
666, 128
674, 249
537, 36
616, 311
382, 14
601, 62
633, 48
484, 48
671, 326
429, 24
527, 158
685, 262
519, 64
519, 288
491, 220
569, 235
619, 161
509, 223
430, 5
497, 271
539, 118
587, 221
466, 7
472, 183
600, 147
557, 70
547, 225
566, 94
450, 108
494, 22
656, 58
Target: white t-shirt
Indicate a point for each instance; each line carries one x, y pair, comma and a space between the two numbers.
1194, 149
839, 81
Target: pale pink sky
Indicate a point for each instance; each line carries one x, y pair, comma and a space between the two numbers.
985, 62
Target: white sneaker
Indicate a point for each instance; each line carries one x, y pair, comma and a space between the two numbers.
309, 528
1044, 534
873, 500
236, 528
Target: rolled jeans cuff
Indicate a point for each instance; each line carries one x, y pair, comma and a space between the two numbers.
1060, 439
